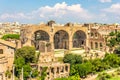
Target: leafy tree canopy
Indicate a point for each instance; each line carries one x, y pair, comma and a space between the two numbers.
114, 40
72, 59
27, 52
112, 34
83, 69
19, 64
11, 36
75, 77
23, 57
112, 59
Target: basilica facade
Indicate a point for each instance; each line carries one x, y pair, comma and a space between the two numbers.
68, 36
60, 37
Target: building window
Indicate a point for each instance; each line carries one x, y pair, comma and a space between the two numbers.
66, 68
101, 45
96, 45
52, 70
62, 69
57, 69
91, 45
1, 51
96, 35
92, 34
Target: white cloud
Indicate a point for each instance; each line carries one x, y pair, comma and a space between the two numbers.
58, 11
103, 1
15, 16
114, 8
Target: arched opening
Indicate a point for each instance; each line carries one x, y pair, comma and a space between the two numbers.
96, 45
79, 39
101, 45
61, 40
40, 35
91, 45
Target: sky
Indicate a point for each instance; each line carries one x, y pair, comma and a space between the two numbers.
61, 11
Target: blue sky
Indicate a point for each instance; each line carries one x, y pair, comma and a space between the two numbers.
62, 11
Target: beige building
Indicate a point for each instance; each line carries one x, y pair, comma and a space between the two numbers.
6, 57
69, 36
60, 37
99, 35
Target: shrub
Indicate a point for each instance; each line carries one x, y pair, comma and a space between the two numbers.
108, 76
72, 59
111, 59
104, 76
11, 36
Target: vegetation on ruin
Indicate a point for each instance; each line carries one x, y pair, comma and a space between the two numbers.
72, 59
48, 44
23, 57
11, 36
79, 68
27, 52
114, 41
43, 73
86, 67
8, 74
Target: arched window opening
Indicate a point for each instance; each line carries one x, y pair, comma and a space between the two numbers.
40, 36
79, 39
61, 40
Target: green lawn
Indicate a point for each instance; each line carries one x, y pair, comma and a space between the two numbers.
115, 78
114, 73
60, 59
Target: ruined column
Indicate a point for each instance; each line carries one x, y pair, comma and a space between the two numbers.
70, 42
87, 44
99, 48
68, 69
52, 41
45, 47
55, 71
93, 45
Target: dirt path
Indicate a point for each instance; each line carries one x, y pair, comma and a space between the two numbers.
93, 77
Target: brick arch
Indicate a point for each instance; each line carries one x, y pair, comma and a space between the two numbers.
79, 39
47, 30
81, 32
42, 31
39, 35
61, 39
84, 31
66, 29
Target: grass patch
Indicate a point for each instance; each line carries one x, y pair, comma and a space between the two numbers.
109, 76
60, 59
115, 78
76, 49
59, 50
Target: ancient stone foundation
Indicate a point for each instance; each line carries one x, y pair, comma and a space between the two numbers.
54, 69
